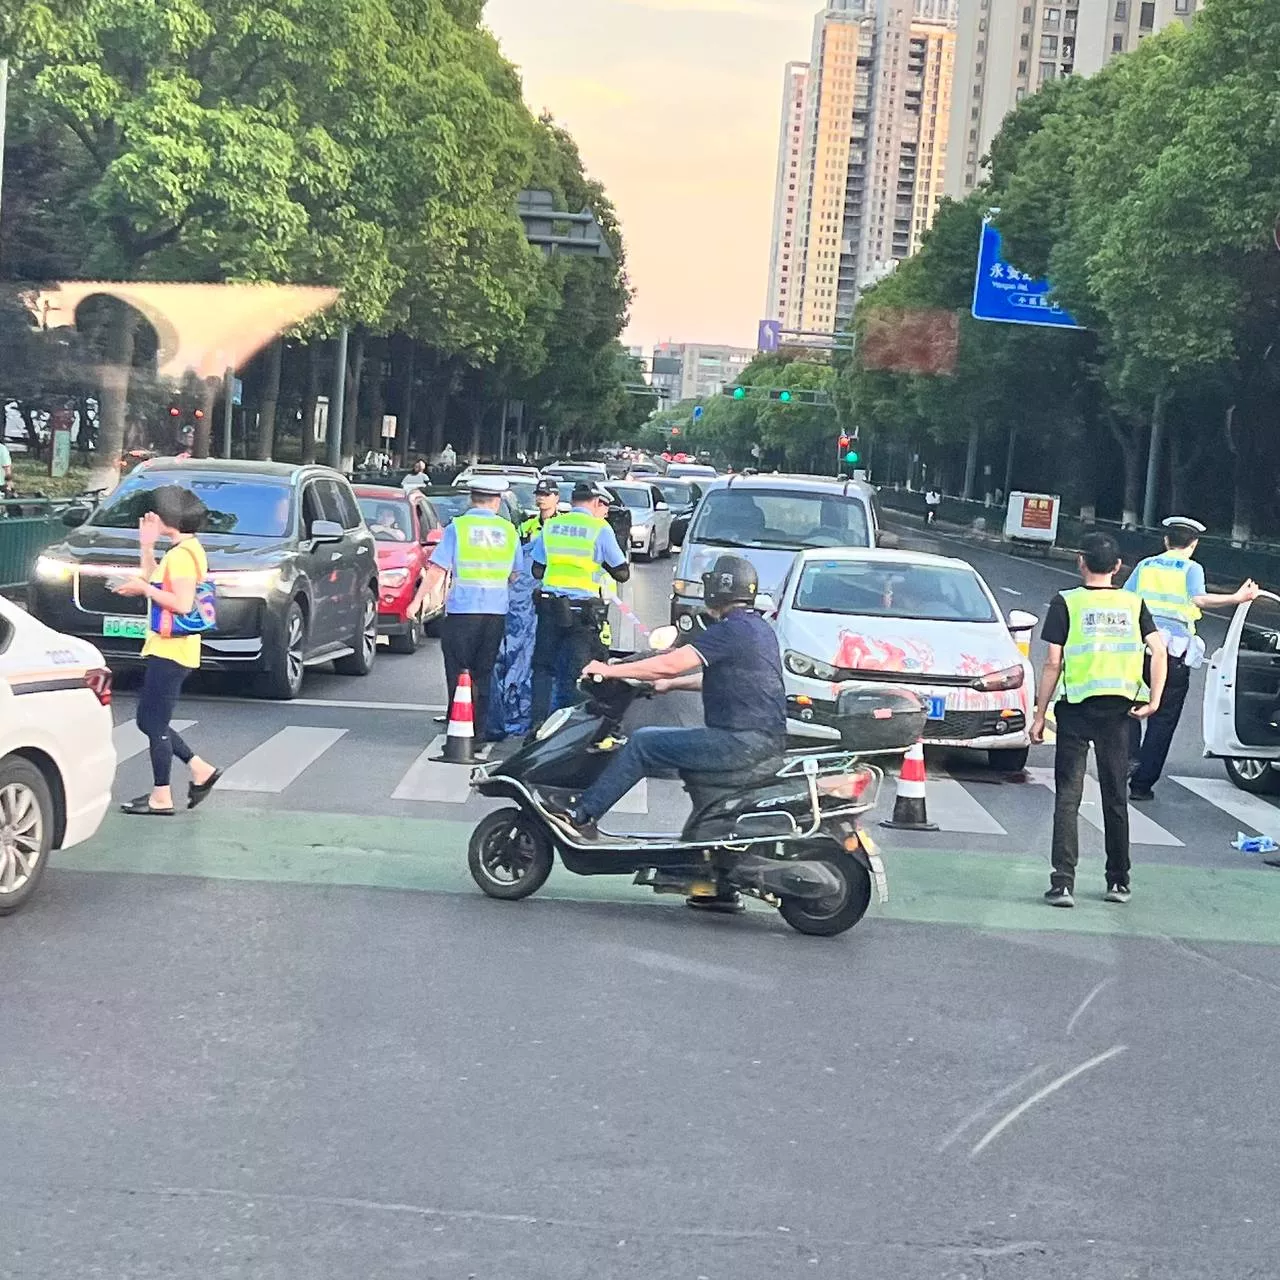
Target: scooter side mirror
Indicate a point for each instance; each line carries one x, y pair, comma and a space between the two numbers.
663, 638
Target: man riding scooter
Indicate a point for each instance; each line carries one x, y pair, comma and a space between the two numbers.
735, 663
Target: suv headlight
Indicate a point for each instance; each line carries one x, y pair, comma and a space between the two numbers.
247, 582
688, 587
800, 664
51, 569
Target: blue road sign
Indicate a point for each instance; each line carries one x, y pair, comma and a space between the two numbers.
697, 412
1005, 294
768, 335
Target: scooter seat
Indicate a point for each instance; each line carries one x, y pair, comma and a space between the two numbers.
732, 780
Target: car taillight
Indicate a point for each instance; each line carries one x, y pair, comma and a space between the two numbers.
847, 786
1009, 678
100, 682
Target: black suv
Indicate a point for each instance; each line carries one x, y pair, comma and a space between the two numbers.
292, 559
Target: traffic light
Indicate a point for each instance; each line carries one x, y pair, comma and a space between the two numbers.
845, 442
851, 457
739, 393
784, 396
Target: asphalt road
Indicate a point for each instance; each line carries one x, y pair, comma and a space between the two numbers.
284, 1037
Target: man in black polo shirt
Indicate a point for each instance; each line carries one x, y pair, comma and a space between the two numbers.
736, 664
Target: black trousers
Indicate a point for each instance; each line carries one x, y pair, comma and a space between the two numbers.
1107, 727
571, 630
470, 642
1149, 740
162, 681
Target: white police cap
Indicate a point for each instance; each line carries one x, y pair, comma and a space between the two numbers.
490, 486
1183, 522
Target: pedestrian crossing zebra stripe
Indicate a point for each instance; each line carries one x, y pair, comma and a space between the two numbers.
282, 759
130, 741
1142, 830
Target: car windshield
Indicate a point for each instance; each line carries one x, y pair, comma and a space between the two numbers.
522, 492
248, 508
635, 496
450, 504
785, 520
879, 590
676, 493
390, 521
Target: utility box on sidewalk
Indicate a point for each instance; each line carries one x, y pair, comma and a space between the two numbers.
1032, 518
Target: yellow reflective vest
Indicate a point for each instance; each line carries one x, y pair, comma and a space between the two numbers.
569, 542
1162, 583
1103, 655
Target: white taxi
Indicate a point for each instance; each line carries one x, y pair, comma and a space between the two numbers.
849, 618
57, 759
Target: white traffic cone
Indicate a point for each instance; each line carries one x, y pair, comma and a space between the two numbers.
909, 811
460, 737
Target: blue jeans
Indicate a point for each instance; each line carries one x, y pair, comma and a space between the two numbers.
651, 750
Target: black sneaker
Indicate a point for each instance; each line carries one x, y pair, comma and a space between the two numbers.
1060, 896
1117, 893
1141, 794
577, 822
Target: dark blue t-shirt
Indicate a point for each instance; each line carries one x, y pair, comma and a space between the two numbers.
742, 678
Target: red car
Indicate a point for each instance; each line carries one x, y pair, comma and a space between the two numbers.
406, 529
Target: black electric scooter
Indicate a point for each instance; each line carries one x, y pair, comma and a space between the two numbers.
784, 831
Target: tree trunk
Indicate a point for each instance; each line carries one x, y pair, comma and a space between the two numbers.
270, 402
404, 428
310, 396
351, 416
970, 464
113, 405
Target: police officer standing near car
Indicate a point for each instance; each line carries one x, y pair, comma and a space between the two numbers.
1096, 635
566, 557
479, 549
546, 496
1172, 587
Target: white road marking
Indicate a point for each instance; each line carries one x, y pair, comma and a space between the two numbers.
1086, 1002
130, 741
1040, 1094
340, 703
1141, 828
430, 781
974, 1116
636, 800
271, 767
1253, 811
954, 809
1011, 591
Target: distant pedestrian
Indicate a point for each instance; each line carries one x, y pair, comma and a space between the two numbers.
479, 549
932, 501
1096, 636
417, 477
171, 651
1172, 587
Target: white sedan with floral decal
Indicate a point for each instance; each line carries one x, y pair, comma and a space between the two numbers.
851, 618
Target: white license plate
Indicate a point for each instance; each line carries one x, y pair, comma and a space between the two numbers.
937, 707
124, 628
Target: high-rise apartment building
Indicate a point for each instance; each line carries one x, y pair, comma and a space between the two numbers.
1006, 49
786, 187
695, 370
873, 151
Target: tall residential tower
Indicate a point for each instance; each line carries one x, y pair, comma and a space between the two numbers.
791, 138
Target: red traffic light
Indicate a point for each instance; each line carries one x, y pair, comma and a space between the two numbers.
844, 442
199, 413
174, 411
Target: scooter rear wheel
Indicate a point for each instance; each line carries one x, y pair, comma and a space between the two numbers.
510, 856
827, 917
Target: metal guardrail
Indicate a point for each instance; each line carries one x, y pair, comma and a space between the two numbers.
27, 526
1224, 562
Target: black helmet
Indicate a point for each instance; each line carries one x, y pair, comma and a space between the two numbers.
731, 580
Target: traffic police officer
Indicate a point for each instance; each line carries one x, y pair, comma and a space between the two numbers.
1096, 635
479, 548
546, 495
566, 558
1172, 587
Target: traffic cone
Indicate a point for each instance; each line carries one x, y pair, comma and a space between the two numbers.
909, 812
460, 736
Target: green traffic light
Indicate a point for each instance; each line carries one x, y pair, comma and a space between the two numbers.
852, 457
739, 393
784, 396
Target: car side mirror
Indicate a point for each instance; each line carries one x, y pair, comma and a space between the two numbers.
661, 506
1021, 620
326, 531
888, 541
764, 603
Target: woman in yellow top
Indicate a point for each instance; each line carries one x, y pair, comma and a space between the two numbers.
177, 515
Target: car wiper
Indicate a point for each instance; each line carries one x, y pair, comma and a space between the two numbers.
726, 542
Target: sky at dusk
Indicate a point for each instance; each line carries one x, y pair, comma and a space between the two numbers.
675, 106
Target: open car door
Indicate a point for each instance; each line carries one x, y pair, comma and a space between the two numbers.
1242, 695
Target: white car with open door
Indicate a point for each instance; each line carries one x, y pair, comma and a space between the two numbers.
57, 758
1242, 697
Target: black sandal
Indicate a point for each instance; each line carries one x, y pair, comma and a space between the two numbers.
198, 792
141, 807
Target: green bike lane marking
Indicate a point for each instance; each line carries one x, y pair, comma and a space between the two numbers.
990, 891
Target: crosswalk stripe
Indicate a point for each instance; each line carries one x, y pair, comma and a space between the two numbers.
954, 809
429, 781
130, 741
271, 767
1253, 811
1142, 830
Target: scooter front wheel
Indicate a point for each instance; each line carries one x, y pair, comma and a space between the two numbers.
510, 856
827, 917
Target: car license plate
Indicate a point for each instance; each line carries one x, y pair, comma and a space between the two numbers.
124, 628
937, 707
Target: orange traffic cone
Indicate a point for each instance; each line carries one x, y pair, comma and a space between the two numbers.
909, 812
460, 736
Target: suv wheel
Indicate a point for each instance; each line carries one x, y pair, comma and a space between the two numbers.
364, 642
284, 680
26, 830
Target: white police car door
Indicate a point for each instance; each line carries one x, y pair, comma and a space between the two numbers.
1242, 685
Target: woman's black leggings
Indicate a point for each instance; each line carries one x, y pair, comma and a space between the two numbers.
161, 683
